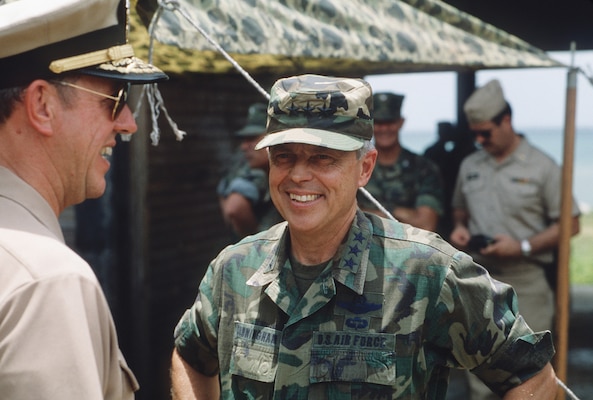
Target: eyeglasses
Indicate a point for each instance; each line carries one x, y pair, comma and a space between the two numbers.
485, 133
120, 99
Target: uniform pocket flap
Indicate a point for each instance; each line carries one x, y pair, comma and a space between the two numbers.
255, 352
353, 357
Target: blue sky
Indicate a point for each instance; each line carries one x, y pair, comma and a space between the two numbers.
537, 95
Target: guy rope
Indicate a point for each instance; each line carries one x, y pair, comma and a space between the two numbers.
156, 103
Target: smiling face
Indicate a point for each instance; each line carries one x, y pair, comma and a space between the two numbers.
85, 136
314, 188
387, 134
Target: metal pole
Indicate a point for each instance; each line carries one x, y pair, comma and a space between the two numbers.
563, 285
466, 84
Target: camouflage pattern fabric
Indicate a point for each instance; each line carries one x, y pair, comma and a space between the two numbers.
331, 37
326, 111
340, 105
252, 184
411, 182
396, 309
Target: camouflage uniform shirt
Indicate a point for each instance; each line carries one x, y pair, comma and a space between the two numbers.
252, 184
412, 181
395, 309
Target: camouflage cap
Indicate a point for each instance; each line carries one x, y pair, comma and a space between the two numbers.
319, 110
387, 106
257, 117
485, 103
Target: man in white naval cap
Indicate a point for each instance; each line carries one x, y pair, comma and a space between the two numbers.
65, 72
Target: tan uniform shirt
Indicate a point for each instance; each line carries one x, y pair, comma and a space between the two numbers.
57, 336
519, 197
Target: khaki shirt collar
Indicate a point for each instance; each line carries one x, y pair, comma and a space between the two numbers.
20, 192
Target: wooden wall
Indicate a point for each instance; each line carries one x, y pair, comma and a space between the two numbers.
164, 222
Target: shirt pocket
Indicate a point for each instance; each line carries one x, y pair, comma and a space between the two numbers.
525, 187
474, 183
353, 357
255, 352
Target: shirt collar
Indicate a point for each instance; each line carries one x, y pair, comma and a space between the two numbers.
522, 151
19, 191
349, 265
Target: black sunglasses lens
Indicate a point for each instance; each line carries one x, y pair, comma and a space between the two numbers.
120, 103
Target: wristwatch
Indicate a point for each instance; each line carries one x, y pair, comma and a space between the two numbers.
525, 247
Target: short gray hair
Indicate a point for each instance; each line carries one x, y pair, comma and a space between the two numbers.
367, 146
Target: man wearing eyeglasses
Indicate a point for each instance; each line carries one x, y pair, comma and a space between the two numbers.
506, 207
65, 72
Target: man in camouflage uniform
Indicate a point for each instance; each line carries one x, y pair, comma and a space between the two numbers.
338, 304
244, 194
406, 184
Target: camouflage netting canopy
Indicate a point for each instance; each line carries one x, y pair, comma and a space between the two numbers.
354, 37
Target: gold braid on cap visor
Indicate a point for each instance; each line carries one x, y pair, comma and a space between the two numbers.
92, 58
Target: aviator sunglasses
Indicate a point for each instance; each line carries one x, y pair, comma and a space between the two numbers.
485, 133
120, 99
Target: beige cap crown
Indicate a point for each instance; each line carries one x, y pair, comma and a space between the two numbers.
41, 39
485, 103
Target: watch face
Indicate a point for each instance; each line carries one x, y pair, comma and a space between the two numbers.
525, 247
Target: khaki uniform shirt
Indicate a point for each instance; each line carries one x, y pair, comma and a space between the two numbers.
57, 337
395, 309
519, 197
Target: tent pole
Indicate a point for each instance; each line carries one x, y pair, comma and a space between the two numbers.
563, 285
466, 84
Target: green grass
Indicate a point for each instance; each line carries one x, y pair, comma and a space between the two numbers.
581, 255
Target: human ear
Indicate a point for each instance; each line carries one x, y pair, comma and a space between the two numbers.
41, 104
367, 165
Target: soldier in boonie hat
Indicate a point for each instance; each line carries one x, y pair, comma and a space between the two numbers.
319, 110
45, 39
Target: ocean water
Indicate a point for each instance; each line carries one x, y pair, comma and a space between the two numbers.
549, 140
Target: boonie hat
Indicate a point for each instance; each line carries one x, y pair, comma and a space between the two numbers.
319, 110
42, 39
485, 103
387, 106
257, 116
